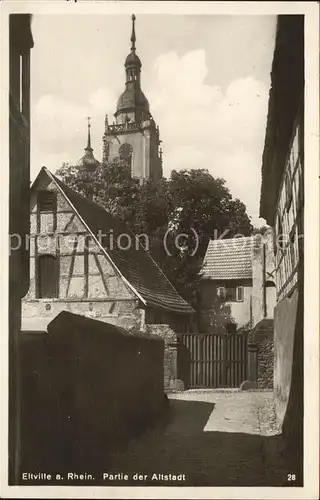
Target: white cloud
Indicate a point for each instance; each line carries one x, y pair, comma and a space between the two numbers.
103, 101
56, 118
59, 128
59, 119
204, 127
52, 161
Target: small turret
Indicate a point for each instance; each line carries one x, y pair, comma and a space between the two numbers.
88, 161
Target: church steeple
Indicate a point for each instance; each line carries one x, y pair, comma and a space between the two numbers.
133, 35
88, 161
89, 148
132, 102
134, 136
133, 63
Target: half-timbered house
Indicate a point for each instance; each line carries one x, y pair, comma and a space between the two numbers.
85, 260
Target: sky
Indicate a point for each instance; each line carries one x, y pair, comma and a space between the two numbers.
207, 79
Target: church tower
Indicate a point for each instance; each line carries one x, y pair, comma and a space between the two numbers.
134, 135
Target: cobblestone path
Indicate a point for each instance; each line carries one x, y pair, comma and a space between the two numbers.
214, 438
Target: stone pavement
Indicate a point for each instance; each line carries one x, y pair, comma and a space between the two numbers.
213, 438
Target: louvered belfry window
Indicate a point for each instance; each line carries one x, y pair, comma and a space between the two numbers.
47, 201
48, 276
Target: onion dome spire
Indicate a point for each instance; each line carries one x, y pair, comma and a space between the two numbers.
88, 161
89, 148
133, 100
132, 60
133, 35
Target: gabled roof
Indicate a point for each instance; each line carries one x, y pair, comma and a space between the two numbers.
229, 259
135, 264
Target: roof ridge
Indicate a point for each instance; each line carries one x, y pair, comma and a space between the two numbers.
127, 227
132, 272
58, 181
86, 200
238, 238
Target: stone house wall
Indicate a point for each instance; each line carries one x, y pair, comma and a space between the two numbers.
216, 314
259, 293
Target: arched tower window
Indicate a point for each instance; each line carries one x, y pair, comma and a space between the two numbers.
125, 153
47, 276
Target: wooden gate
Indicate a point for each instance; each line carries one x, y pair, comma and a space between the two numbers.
212, 360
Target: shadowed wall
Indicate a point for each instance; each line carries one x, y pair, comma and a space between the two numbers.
88, 387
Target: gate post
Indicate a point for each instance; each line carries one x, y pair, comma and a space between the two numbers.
171, 381
224, 362
252, 362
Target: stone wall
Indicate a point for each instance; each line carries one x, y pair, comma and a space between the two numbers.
88, 388
260, 356
265, 364
37, 313
263, 337
171, 380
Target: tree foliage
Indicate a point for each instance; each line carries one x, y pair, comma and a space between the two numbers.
178, 215
260, 230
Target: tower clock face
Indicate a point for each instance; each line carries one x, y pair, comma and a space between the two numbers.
125, 151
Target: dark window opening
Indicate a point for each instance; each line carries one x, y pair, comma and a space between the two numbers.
158, 319
47, 276
240, 294
231, 328
292, 244
280, 236
47, 201
231, 293
288, 186
125, 152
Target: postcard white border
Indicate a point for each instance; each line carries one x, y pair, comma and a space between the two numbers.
312, 270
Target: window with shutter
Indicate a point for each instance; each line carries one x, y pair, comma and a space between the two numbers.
47, 276
239, 294
231, 294
47, 201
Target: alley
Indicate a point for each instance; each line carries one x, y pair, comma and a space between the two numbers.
215, 438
